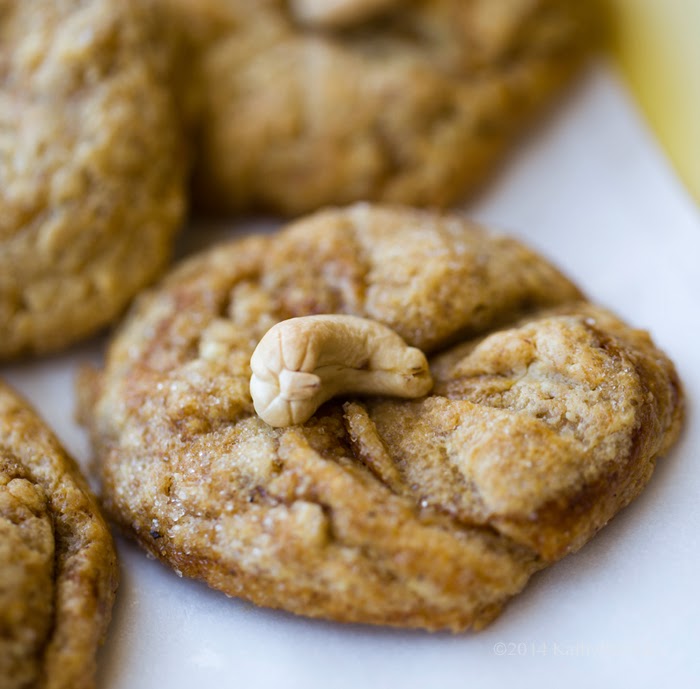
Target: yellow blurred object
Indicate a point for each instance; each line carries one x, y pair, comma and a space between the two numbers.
657, 43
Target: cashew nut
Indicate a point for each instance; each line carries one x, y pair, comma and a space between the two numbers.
337, 13
301, 363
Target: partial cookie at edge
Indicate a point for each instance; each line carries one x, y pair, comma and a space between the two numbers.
92, 168
59, 570
415, 105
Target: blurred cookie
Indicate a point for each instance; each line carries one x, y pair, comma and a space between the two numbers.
302, 104
91, 166
58, 568
427, 513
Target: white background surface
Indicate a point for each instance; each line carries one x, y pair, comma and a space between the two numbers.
591, 190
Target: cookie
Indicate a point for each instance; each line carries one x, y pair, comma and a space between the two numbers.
58, 568
302, 104
545, 419
91, 168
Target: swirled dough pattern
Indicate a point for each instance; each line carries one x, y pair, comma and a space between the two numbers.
58, 568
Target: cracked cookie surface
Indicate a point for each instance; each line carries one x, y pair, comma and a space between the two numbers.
91, 167
58, 568
410, 102
546, 418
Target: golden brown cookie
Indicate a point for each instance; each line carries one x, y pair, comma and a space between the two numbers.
423, 513
302, 104
58, 568
91, 166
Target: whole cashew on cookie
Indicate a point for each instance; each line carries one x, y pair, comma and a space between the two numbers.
334, 13
303, 362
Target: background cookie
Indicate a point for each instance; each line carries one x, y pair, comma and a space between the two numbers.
58, 568
409, 102
427, 513
91, 167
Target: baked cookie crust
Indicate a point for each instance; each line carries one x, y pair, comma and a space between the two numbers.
58, 567
91, 166
299, 105
546, 418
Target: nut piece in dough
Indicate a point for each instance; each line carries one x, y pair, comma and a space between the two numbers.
546, 418
412, 104
303, 362
58, 567
334, 13
91, 166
